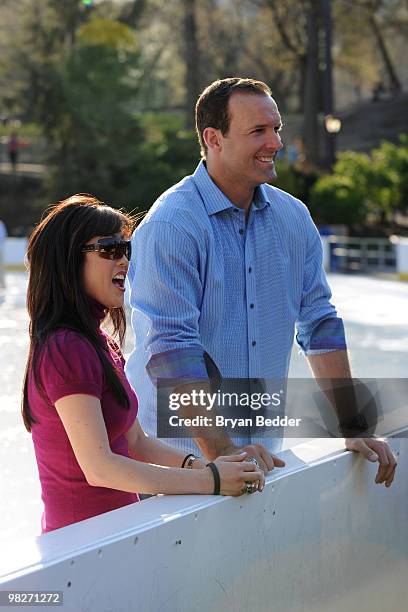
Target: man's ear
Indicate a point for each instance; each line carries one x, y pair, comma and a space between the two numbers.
212, 139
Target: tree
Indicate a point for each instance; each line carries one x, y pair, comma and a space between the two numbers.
364, 185
191, 58
93, 132
370, 36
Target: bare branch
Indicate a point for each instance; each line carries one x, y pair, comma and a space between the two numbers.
272, 5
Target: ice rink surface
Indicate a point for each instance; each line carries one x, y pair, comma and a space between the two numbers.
375, 312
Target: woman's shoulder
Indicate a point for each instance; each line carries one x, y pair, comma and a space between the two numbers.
69, 355
69, 362
65, 343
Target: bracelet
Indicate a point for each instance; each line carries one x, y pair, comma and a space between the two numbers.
216, 475
190, 462
186, 458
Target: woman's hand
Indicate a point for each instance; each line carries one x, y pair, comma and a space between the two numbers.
235, 472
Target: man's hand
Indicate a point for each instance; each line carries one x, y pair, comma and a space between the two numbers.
266, 460
375, 449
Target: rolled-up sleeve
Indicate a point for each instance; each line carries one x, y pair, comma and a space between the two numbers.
319, 329
166, 292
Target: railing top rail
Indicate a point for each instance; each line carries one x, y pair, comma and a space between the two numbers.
357, 240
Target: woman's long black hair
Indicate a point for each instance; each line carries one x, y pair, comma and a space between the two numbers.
56, 297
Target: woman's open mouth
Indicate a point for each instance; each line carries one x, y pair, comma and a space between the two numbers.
119, 281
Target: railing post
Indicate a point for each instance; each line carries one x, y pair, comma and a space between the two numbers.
401, 245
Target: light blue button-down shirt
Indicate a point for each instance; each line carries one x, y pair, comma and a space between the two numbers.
203, 282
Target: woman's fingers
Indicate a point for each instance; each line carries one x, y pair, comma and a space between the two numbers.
235, 473
239, 457
253, 476
249, 466
278, 462
256, 477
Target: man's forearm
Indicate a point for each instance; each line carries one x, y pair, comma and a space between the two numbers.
331, 367
212, 441
334, 364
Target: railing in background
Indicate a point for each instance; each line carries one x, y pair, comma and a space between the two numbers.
340, 254
32, 149
349, 254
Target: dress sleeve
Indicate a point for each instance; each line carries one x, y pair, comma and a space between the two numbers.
70, 365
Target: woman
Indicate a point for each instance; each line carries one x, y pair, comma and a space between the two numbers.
91, 452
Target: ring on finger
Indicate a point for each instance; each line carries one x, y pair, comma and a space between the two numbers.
254, 461
249, 487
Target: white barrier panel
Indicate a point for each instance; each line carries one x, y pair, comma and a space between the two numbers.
401, 247
14, 251
322, 537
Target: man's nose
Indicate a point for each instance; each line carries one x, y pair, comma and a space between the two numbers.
274, 141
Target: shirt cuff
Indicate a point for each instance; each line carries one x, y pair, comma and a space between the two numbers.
185, 365
325, 336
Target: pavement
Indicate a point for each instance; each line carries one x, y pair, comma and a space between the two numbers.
23, 168
375, 315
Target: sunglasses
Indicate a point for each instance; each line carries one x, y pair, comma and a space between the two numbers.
110, 248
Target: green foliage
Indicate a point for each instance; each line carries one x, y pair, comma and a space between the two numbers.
101, 145
363, 185
26, 130
92, 133
391, 162
108, 33
98, 143
294, 181
335, 200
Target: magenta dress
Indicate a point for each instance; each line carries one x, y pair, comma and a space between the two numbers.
69, 365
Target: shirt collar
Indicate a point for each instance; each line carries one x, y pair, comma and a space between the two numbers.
214, 199
261, 198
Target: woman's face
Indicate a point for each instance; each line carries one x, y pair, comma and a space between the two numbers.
104, 279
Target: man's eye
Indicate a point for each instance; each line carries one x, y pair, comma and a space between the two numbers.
258, 130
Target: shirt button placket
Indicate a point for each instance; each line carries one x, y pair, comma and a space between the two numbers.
251, 294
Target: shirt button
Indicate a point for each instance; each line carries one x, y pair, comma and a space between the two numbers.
249, 269
241, 231
253, 342
251, 305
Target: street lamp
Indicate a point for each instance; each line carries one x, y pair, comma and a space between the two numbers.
332, 128
332, 124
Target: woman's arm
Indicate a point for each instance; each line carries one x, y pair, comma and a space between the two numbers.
152, 450
83, 421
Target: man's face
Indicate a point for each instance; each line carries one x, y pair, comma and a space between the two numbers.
249, 148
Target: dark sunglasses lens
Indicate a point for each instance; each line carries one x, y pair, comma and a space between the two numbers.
114, 249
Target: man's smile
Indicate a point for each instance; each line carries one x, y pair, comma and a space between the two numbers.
265, 159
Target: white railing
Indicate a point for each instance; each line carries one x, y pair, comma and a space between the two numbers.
345, 253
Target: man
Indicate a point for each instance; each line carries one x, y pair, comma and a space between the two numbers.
12, 147
224, 267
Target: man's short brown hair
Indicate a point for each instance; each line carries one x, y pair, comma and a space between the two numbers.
212, 105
